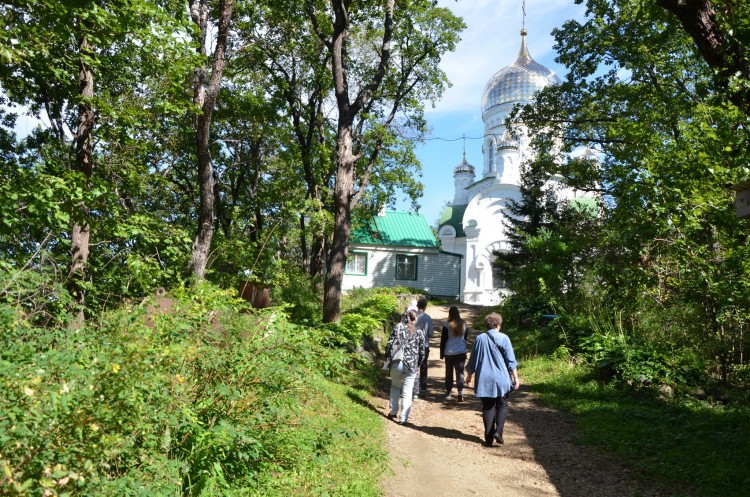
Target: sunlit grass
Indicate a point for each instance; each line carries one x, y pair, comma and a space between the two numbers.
690, 447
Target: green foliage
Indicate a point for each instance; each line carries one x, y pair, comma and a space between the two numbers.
201, 400
684, 446
367, 312
616, 355
292, 286
665, 249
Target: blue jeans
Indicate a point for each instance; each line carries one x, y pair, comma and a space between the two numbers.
402, 385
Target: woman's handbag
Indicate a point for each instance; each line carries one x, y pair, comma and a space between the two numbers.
397, 354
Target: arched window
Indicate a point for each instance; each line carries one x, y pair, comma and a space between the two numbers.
490, 156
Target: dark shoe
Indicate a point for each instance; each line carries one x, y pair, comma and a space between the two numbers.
391, 417
499, 438
488, 444
460, 398
404, 423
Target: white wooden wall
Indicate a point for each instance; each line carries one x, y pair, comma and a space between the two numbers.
437, 273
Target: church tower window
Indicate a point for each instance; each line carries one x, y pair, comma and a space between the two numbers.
490, 157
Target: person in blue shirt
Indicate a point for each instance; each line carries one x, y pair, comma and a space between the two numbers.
494, 362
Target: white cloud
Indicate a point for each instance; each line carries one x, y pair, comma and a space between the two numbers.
491, 41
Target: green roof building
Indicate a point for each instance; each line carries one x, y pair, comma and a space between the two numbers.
398, 248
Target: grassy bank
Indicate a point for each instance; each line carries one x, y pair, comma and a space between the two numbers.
695, 448
337, 451
209, 399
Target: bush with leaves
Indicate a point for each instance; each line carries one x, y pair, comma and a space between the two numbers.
368, 311
615, 353
201, 400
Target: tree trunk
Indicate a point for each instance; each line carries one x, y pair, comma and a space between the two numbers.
317, 253
342, 212
84, 157
206, 93
346, 160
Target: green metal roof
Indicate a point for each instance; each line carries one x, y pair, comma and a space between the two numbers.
404, 229
586, 203
453, 215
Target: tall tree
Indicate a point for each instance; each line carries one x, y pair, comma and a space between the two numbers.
206, 90
671, 130
281, 44
374, 82
55, 52
534, 211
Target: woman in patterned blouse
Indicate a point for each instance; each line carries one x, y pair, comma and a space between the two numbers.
404, 353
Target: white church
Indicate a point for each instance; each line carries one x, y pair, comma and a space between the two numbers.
399, 249
472, 225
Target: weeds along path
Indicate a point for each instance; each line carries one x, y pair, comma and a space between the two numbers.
441, 452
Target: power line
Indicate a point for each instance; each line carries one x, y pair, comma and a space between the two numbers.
454, 139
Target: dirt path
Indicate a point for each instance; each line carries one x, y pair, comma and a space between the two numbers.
441, 452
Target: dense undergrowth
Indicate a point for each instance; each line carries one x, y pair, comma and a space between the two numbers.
665, 409
692, 447
209, 399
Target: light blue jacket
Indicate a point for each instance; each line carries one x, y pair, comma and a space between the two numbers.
492, 359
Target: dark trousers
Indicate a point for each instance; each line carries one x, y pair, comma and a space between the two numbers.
454, 363
494, 412
421, 385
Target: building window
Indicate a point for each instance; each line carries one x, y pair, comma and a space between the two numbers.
498, 277
356, 263
491, 157
406, 267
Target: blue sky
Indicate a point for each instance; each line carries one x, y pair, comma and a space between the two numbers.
490, 42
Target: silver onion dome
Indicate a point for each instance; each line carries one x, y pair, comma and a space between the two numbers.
518, 81
463, 167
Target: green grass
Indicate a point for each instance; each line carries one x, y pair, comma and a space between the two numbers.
337, 448
691, 447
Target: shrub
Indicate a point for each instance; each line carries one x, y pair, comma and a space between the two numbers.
367, 311
204, 400
294, 287
615, 354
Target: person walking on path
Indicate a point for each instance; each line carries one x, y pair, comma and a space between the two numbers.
404, 353
453, 338
424, 322
493, 360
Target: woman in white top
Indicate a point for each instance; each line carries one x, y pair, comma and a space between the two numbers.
453, 349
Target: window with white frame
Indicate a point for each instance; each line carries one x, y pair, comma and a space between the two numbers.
406, 267
356, 263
